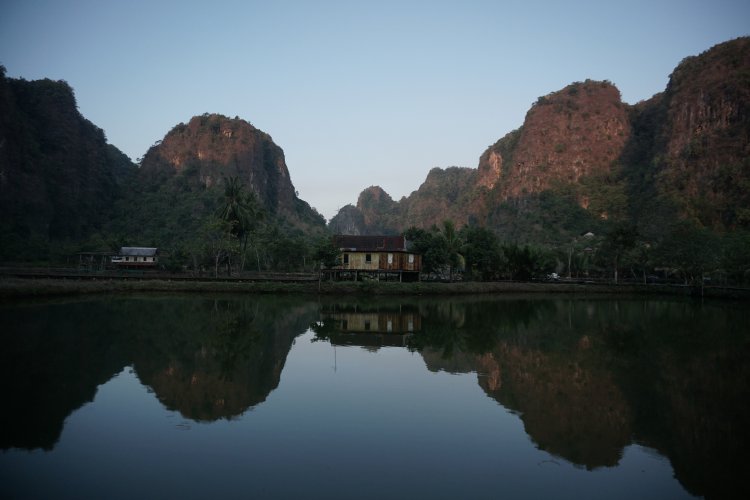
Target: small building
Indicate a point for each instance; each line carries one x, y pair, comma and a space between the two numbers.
377, 257
136, 258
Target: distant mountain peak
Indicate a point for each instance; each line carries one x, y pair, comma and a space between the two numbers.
582, 156
211, 147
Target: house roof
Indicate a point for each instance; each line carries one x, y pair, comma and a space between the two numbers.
370, 243
138, 251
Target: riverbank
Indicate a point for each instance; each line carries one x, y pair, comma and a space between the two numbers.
15, 288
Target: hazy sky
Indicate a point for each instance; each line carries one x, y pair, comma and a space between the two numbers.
357, 93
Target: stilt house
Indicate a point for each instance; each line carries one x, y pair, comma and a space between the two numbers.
376, 257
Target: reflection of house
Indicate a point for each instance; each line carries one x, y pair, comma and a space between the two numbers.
377, 322
380, 257
372, 328
136, 257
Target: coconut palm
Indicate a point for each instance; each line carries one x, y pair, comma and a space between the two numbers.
241, 210
453, 246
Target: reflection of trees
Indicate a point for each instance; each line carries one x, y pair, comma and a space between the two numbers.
687, 368
227, 356
52, 363
454, 326
206, 358
568, 403
570, 406
589, 377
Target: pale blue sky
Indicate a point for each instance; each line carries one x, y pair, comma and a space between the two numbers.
356, 93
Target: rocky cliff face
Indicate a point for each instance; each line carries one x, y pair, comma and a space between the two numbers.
683, 153
567, 135
451, 193
210, 148
703, 160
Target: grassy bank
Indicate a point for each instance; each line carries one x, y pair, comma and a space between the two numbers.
13, 288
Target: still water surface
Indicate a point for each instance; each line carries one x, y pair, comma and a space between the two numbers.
282, 397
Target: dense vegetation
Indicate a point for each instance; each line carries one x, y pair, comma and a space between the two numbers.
587, 187
687, 255
662, 186
58, 176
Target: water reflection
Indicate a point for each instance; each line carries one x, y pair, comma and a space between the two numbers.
586, 377
367, 324
206, 358
590, 377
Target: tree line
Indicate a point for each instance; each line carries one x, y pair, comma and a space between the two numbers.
686, 254
226, 231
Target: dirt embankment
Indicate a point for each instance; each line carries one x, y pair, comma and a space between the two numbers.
15, 288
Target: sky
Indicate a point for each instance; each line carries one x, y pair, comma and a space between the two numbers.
356, 93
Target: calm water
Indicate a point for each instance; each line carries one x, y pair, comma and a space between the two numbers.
279, 397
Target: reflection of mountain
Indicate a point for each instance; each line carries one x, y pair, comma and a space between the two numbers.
586, 377
208, 359
52, 363
222, 357
569, 407
590, 377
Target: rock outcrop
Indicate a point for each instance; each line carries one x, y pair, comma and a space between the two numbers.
585, 154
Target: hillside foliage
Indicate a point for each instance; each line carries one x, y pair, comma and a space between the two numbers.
587, 185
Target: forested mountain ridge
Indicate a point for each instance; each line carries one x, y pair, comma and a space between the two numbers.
212, 147
217, 186
700, 154
59, 177
583, 160
64, 189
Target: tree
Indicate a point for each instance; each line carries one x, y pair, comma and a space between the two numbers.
735, 256
325, 252
218, 241
617, 242
691, 250
453, 246
522, 263
482, 252
241, 210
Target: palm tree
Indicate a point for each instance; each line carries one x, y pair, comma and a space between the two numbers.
241, 210
453, 246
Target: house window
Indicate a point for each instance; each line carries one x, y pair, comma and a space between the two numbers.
368, 257
127, 259
346, 258
390, 258
411, 258
367, 325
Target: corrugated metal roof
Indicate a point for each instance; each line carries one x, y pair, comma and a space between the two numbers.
371, 243
138, 251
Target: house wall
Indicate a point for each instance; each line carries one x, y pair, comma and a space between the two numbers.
358, 260
400, 261
132, 260
388, 261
